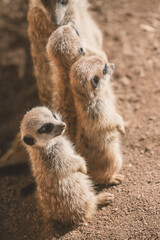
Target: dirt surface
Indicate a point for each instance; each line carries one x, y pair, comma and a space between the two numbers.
132, 41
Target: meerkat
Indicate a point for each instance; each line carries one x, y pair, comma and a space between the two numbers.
65, 192
39, 30
64, 48
98, 123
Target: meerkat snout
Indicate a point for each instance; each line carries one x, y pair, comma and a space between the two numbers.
100, 79
60, 129
40, 126
80, 50
55, 10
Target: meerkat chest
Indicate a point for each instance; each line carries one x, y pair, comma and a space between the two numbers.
92, 114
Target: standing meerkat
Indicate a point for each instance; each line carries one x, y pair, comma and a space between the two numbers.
64, 190
97, 120
39, 30
64, 48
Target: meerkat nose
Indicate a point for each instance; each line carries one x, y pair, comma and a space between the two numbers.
63, 126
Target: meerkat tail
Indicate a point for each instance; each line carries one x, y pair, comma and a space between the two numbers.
104, 198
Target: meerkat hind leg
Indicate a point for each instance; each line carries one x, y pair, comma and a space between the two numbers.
116, 179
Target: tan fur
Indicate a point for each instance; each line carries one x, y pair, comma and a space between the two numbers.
74, 11
40, 26
64, 190
64, 48
42, 22
78, 13
97, 120
39, 31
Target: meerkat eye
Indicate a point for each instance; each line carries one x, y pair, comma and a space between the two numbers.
45, 2
46, 128
81, 51
55, 116
95, 81
105, 70
63, 2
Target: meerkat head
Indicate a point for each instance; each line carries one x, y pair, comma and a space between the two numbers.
90, 76
56, 10
65, 46
39, 126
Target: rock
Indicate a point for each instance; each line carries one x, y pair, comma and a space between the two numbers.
125, 81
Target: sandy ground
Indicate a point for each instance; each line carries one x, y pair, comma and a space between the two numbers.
132, 41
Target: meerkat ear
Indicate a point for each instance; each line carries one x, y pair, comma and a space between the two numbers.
112, 66
29, 140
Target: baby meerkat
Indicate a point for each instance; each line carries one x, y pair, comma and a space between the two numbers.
65, 191
64, 48
97, 120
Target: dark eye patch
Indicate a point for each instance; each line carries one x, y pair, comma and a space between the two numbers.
63, 2
95, 81
46, 128
105, 70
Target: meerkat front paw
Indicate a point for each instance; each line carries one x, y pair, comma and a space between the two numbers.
120, 125
83, 169
121, 129
81, 165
